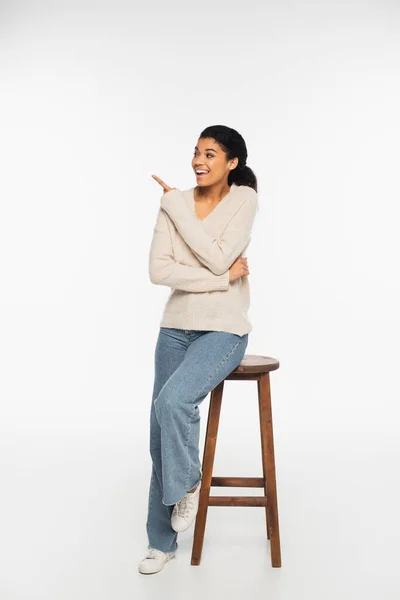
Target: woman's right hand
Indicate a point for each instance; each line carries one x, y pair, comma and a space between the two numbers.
238, 269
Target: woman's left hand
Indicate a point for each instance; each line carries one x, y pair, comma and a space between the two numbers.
163, 184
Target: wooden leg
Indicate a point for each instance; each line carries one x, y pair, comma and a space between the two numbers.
262, 459
207, 469
267, 443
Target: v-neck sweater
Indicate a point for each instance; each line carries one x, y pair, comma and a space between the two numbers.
193, 256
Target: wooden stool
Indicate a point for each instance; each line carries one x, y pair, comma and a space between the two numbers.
252, 367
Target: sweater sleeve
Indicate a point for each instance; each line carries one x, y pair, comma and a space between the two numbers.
165, 270
217, 253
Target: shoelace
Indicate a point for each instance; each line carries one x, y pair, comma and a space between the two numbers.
183, 506
154, 553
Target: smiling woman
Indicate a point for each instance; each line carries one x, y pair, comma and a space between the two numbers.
197, 250
221, 151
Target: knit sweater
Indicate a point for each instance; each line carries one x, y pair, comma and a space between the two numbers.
192, 256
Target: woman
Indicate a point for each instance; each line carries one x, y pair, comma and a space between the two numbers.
197, 247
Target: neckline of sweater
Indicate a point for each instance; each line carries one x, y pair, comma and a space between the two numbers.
232, 188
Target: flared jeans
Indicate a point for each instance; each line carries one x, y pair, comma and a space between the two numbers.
188, 364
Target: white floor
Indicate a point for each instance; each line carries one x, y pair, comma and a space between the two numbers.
73, 523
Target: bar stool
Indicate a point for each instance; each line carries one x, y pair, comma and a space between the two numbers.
252, 367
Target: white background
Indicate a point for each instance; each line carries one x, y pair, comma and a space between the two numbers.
94, 98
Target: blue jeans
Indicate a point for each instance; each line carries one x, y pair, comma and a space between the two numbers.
188, 365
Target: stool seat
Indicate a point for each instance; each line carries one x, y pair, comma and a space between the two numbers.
252, 367
254, 363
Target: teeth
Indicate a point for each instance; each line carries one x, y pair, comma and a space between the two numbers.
201, 171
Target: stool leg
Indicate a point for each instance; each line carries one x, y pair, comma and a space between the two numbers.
263, 461
207, 470
267, 445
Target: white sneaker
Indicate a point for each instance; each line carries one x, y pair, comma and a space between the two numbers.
154, 561
185, 510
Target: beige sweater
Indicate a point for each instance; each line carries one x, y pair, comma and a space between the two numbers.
193, 257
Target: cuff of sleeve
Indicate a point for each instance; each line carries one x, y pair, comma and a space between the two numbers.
221, 281
165, 198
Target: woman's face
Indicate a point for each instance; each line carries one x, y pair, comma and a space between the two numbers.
209, 156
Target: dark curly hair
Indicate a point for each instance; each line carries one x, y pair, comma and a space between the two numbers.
234, 145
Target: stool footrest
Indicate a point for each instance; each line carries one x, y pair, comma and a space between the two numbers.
237, 501
238, 481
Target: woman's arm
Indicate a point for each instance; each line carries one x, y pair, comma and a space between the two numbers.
164, 270
216, 253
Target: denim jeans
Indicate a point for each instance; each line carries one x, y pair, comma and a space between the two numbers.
188, 365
